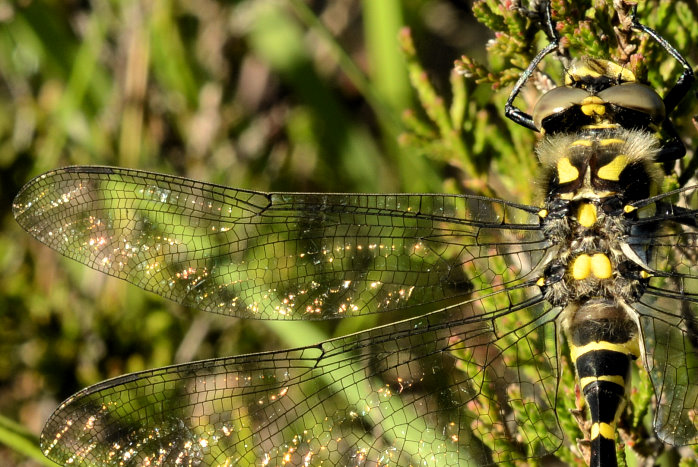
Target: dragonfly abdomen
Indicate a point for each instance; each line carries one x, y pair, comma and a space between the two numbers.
603, 343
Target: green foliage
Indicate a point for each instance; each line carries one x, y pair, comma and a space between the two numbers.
593, 29
599, 31
261, 95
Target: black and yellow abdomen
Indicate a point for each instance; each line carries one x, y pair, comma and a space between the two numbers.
603, 344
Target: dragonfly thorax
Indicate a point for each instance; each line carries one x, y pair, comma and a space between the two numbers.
589, 178
590, 261
599, 164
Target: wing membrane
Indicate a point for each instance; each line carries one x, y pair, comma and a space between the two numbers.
439, 389
665, 234
670, 332
472, 382
281, 255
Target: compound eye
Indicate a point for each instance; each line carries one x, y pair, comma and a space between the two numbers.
635, 96
555, 101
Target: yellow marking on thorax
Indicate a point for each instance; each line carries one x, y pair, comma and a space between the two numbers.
566, 172
628, 209
604, 429
582, 142
597, 265
610, 141
581, 267
587, 380
586, 214
627, 348
613, 169
601, 266
600, 126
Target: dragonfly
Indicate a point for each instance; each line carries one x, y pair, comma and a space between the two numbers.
494, 295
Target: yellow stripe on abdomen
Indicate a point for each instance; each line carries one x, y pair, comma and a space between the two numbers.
629, 348
603, 344
619, 380
607, 430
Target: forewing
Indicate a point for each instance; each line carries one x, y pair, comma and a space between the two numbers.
666, 234
281, 255
472, 385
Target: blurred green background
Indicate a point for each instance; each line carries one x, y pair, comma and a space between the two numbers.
269, 95
284, 95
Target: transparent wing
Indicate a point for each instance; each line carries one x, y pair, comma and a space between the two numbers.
670, 332
473, 381
666, 234
281, 255
472, 385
